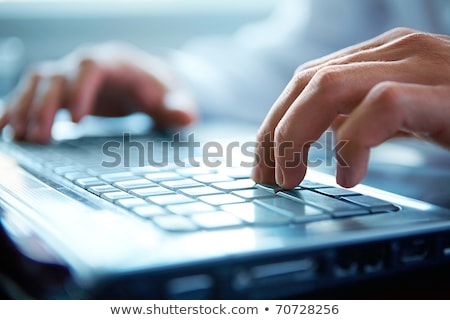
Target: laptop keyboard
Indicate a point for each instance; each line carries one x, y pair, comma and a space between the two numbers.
186, 199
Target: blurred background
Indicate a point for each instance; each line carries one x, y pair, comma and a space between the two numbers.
32, 30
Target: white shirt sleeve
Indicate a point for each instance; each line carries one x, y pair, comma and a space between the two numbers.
241, 76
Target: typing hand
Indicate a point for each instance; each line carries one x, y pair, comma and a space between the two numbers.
107, 80
395, 84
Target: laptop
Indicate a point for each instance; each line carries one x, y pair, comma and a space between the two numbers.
140, 214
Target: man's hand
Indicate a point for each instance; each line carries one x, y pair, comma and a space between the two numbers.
395, 84
109, 80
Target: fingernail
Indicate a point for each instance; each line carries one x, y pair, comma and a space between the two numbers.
342, 177
178, 100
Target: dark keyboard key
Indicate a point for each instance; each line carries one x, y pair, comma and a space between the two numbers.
337, 208
256, 214
299, 212
269, 188
251, 194
337, 192
375, 205
307, 184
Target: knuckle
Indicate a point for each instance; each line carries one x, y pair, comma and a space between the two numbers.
327, 76
388, 99
416, 39
87, 63
386, 93
402, 31
58, 79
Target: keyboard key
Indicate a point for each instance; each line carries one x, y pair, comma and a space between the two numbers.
178, 184
190, 208
114, 196
200, 191
337, 192
151, 191
149, 211
163, 176
86, 183
221, 199
299, 212
131, 202
256, 214
134, 184
217, 219
375, 205
253, 194
74, 175
98, 190
269, 188
170, 199
307, 184
174, 223
194, 171
118, 176
211, 178
237, 172
337, 208
240, 184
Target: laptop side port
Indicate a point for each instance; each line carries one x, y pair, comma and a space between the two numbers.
368, 259
346, 263
415, 250
375, 258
